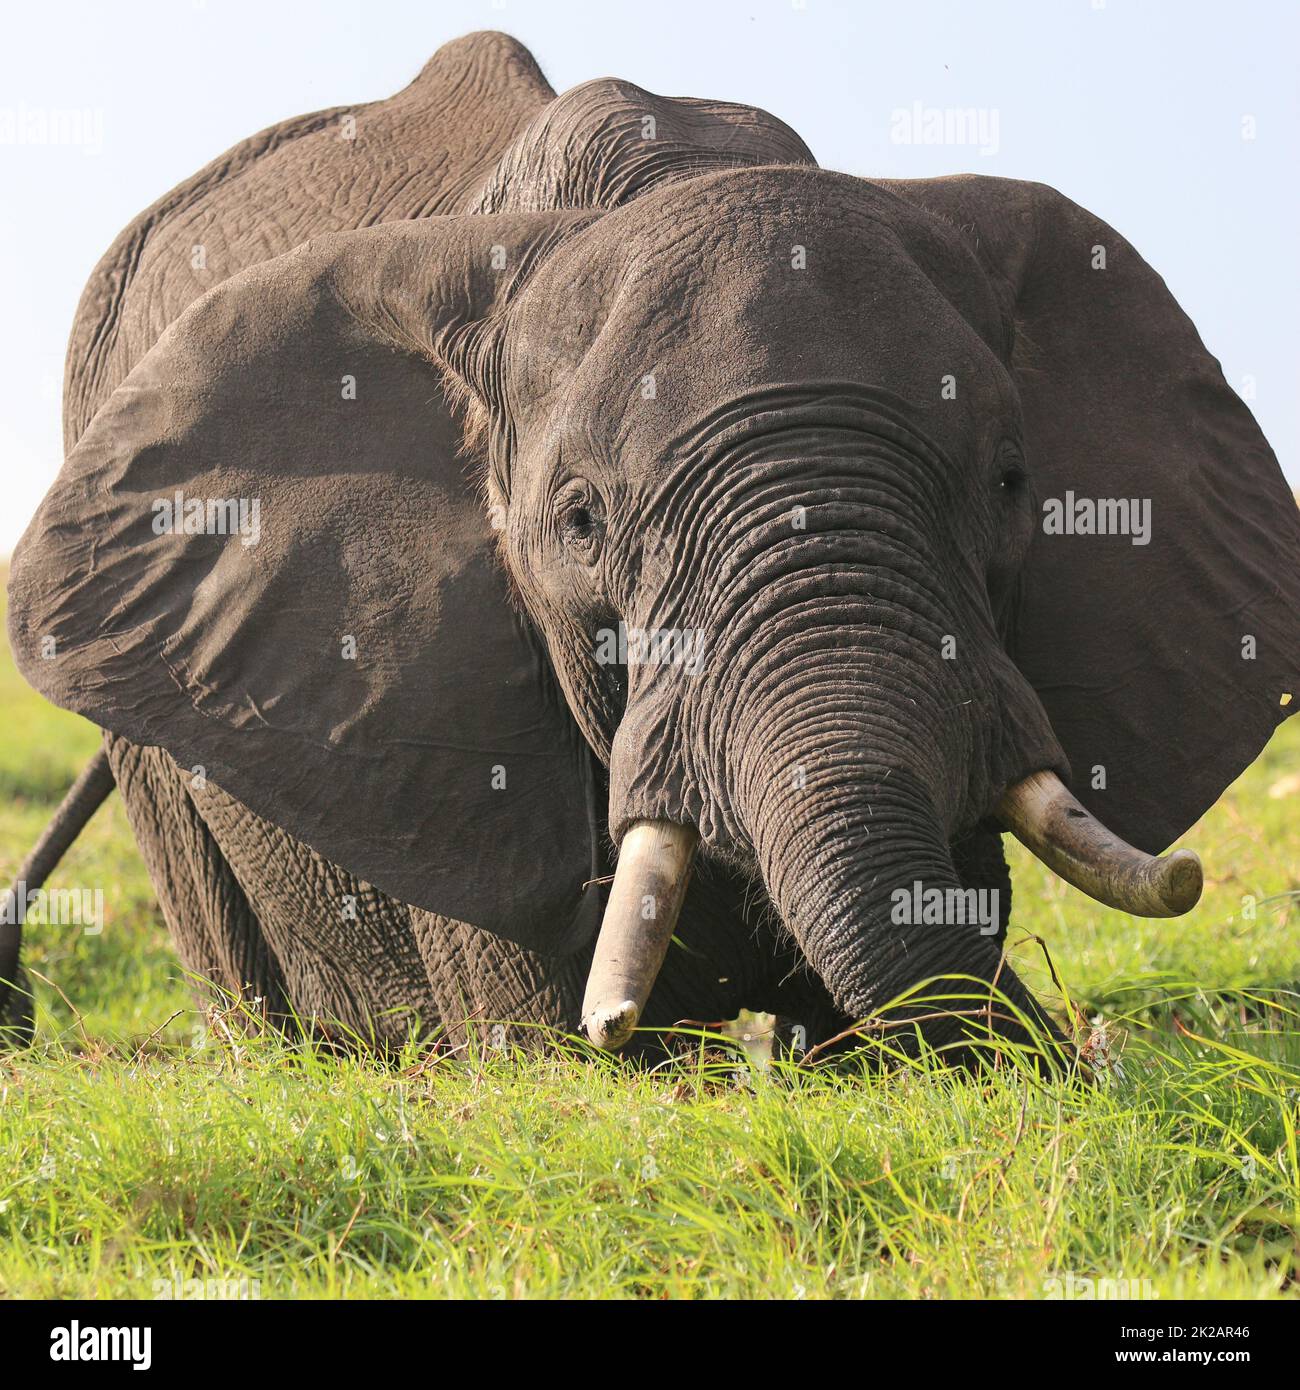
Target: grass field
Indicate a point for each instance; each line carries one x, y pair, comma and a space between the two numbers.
142, 1145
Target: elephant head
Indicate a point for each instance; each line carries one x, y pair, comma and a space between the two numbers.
680, 491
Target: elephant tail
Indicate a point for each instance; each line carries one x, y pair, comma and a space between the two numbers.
84, 798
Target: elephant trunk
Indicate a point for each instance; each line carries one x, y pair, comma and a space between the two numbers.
848, 710
862, 875
837, 779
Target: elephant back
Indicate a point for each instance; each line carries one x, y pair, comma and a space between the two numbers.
603, 143
416, 154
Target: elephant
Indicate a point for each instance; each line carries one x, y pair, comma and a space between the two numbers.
572, 563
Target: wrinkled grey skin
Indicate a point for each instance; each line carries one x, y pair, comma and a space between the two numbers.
827, 750
395, 969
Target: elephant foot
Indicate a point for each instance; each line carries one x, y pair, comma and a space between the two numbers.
17, 1013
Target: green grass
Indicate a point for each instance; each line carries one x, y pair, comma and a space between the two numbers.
138, 1147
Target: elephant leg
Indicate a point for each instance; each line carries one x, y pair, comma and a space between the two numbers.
490, 989
212, 923
347, 952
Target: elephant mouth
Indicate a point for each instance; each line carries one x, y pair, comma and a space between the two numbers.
656, 857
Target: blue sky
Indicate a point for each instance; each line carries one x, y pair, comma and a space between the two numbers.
1177, 121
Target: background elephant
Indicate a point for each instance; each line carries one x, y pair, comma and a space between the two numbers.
507, 373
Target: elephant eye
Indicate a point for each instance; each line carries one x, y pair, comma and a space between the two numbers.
580, 521
1008, 474
580, 518
1012, 478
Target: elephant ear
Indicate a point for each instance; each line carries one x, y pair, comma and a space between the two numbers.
266, 556
1164, 666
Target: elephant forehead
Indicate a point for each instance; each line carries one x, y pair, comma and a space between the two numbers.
660, 311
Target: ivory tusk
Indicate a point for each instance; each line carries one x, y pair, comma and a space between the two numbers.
654, 867
1050, 822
